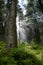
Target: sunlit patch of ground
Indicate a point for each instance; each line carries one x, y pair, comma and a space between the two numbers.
35, 49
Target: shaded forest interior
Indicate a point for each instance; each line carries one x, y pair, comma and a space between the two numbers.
21, 32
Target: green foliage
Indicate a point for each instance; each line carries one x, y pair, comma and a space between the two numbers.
23, 55
2, 45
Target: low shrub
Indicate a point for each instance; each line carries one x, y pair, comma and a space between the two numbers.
18, 56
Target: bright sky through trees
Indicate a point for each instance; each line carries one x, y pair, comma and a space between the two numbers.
22, 3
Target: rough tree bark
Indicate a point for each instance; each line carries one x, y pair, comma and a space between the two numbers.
10, 29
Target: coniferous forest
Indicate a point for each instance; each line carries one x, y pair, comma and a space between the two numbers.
21, 32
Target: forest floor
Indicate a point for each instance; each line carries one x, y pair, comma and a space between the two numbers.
25, 54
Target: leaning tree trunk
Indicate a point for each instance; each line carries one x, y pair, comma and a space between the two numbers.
10, 30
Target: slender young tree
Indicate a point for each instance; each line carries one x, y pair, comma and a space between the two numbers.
1, 19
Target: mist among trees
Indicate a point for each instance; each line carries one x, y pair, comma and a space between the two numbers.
21, 32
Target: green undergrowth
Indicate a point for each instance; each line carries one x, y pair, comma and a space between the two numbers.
25, 54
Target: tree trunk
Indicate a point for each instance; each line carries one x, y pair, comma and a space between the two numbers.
10, 30
37, 35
